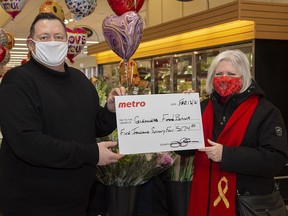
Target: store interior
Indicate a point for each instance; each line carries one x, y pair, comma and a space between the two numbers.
258, 27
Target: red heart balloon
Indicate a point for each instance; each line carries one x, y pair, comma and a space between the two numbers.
4, 55
122, 6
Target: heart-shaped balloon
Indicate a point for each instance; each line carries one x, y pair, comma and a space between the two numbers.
81, 8
123, 33
122, 6
11, 41
76, 42
3, 37
12, 7
51, 6
4, 55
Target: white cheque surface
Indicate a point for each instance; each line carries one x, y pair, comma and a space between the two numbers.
156, 123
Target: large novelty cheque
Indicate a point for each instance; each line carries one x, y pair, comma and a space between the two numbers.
157, 123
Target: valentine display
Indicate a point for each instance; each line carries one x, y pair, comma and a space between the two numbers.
81, 8
122, 6
123, 33
12, 7
51, 6
76, 40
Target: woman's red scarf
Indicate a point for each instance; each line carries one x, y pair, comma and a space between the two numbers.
223, 184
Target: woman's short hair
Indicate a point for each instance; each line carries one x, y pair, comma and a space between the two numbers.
239, 60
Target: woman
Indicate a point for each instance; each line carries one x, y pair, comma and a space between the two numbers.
245, 139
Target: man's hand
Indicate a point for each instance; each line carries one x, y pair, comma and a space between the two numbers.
118, 91
106, 156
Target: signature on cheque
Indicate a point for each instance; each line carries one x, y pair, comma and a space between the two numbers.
183, 142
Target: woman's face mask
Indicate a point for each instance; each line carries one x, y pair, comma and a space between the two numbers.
227, 86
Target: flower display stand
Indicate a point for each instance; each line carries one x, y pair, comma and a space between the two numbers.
122, 200
178, 195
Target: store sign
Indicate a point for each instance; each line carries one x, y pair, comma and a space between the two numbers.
160, 122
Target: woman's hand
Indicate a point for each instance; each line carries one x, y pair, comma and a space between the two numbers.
214, 152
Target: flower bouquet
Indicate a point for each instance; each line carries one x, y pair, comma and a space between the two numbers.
134, 169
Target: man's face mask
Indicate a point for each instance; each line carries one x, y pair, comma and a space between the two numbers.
51, 53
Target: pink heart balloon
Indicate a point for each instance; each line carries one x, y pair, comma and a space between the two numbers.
123, 33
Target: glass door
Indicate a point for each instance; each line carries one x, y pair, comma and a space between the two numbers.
203, 61
161, 78
144, 70
182, 72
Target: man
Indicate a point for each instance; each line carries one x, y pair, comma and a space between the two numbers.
50, 118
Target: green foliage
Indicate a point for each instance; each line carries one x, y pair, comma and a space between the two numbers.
182, 169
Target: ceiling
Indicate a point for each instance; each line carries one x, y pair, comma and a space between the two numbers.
19, 27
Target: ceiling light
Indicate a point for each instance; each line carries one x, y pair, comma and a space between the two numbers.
92, 42
20, 48
19, 44
17, 57
21, 39
15, 60
18, 52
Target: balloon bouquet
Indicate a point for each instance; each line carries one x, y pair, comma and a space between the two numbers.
123, 34
7, 41
77, 36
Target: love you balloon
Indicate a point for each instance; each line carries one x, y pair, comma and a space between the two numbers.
123, 33
81, 8
12, 7
76, 42
122, 6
